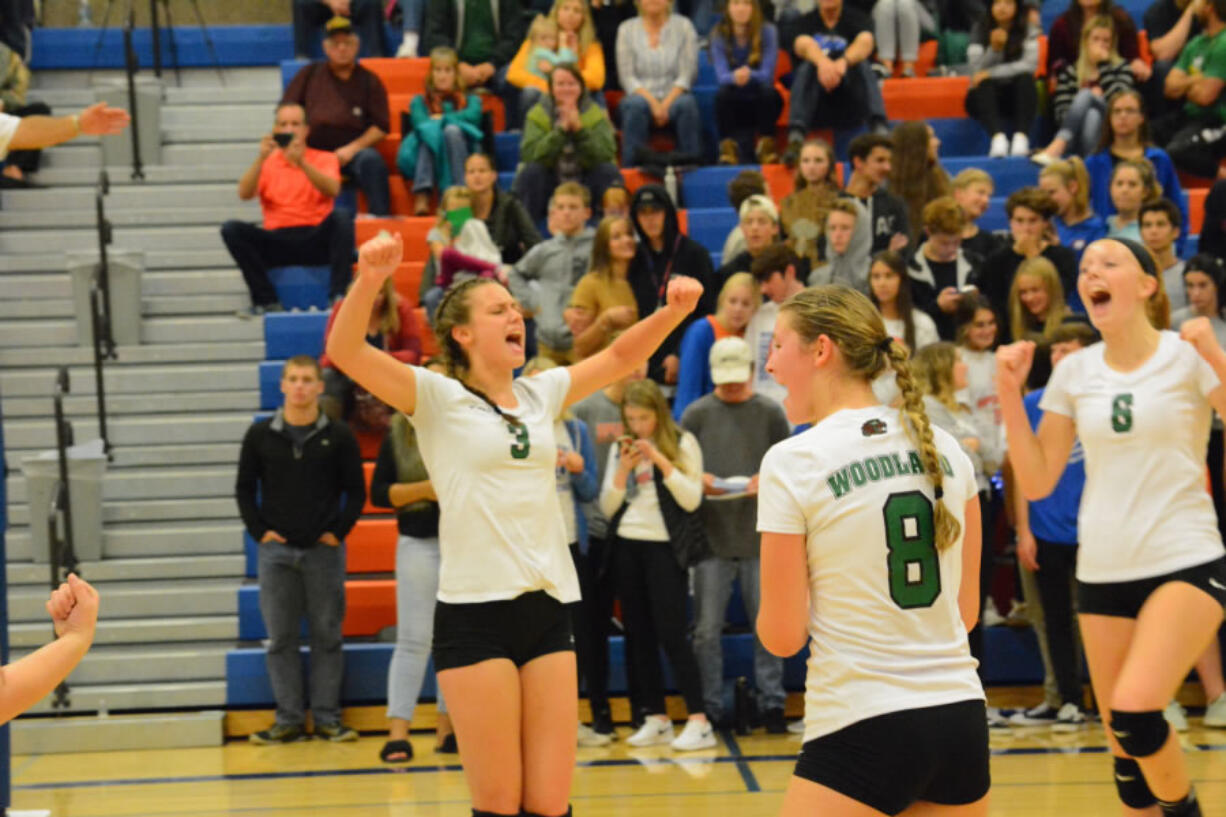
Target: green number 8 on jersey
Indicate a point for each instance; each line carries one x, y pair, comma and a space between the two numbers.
1121, 413
910, 537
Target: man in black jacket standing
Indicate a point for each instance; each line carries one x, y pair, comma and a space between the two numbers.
301, 465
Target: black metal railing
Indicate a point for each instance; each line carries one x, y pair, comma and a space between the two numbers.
131, 66
100, 313
63, 557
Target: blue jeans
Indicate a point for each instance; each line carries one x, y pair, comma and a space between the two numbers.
854, 101
683, 116
293, 582
413, 11
416, 591
1082, 125
712, 589
456, 145
369, 171
535, 183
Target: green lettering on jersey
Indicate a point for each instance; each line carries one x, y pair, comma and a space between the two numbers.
887, 466
839, 485
917, 466
873, 469
901, 467
946, 467
857, 473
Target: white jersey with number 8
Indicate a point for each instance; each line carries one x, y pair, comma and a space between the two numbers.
885, 631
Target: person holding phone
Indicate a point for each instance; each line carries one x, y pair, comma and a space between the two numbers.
297, 187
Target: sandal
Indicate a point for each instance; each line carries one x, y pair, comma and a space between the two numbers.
396, 751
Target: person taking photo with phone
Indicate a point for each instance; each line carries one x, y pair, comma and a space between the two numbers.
297, 187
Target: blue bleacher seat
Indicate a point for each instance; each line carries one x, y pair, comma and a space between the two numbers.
505, 179
506, 151
289, 70
294, 333
302, 287
710, 227
1009, 174
270, 384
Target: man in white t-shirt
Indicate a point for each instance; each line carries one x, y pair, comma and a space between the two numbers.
775, 271
33, 132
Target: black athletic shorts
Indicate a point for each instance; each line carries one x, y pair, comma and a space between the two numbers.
1125, 599
518, 629
938, 754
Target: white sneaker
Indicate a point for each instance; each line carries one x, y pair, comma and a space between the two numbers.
1041, 715
1176, 716
408, 46
589, 737
697, 734
1000, 147
656, 730
1021, 145
1070, 718
991, 616
996, 718
1215, 712
797, 727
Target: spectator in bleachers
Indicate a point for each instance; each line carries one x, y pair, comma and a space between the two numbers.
300, 491
577, 485
14, 83
1169, 24
665, 251
972, 188
577, 35
1133, 185
347, 107
657, 63
486, 36
608, 15
400, 481
1079, 103
392, 328
759, 223
897, 25
297, 187
870, 156
602, 412
567, 138
1160, 223
603, 302
1004, 55
366, 17
460, 248
889, 288
446, 125
747, 183
940, 271
1213, 228
616, 202
744, 52
976, 336
1195, 137
739, 298
544, 280
651, 493
916, 175
775, 271
1036, 300
843, 263
513, 230
1064, 40
734, 428
1126, 136
1068, 184
1030, 213
802, 214
832, 81
1204, 282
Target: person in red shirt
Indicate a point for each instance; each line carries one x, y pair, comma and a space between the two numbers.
297, 186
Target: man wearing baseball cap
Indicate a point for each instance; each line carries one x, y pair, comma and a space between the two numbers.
735, 428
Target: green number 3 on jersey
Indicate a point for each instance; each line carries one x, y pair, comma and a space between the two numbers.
1121, 413
910, 538
522, 445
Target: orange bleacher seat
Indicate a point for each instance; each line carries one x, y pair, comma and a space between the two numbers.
412, 228
1042, 72
396, 105
368, 471
388, 147
928, 98
408, 280
634, 178
371, 546
399, 75
493, 105
400, 196
1143, 50
779, 181
683, 221
429, 344
1196, 209
370, 605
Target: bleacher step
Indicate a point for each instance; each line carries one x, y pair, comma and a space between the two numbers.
217, 284
219, 427
86, 175
130, 238
153, 330
156, 662
118, 697
180, 482
138, 631
42, 259
162, 568
170, 215
127, 601
119, 378
170, 402
221, 303
152, 455
35, 736
123, 540
126, 199
251, 351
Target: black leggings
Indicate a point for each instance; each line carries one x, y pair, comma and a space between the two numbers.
997, 103
1057, 567
590, 621
987, 570
653, 590
745, 111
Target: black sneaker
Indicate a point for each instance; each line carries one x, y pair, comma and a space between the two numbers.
448, 746
1041, 715
602, 723
791, 154
278, 733
774, 722
335, 732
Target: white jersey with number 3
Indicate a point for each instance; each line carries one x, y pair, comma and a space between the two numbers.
1145, 510
885, 631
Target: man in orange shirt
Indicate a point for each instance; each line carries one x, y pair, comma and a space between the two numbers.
297, 186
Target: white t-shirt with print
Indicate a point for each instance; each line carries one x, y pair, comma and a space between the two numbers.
758, 334
501, 532
1145, 510
885, 630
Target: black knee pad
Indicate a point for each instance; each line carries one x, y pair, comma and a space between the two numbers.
1130, 783
526, 813
479, 813
1140, 734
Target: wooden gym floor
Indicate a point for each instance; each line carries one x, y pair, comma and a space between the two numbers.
1036, 773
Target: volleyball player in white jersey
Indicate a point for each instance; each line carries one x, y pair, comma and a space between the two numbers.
1151, 571
863, 519
502, 647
